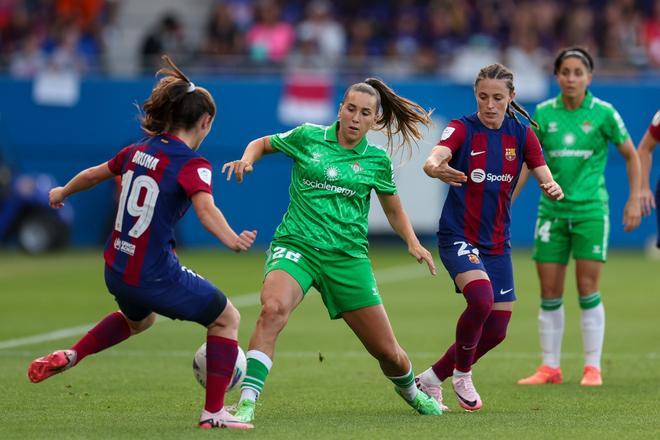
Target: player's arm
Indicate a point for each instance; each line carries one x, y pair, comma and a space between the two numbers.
645, 152
547, 183
632, 213
84, 180
437, 167
400, 223
522, 180
253, 152
214, 222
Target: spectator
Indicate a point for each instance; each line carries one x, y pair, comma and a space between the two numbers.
30, 60
269, 40
167, 37
321, 26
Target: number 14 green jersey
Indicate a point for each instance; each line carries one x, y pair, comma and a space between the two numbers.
330, 188
575, 145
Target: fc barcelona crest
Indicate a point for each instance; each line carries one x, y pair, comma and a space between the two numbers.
510, 154
473, 259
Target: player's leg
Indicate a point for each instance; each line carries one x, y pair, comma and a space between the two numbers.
116, 327
372, 326
288, 277
591, 238
552, 244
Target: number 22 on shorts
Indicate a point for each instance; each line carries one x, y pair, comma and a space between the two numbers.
281, 252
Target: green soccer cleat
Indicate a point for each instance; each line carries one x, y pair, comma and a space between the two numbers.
422, 403
245, 410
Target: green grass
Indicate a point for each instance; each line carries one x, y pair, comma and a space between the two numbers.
145, 388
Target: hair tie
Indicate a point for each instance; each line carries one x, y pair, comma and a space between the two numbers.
191, 87
578, 54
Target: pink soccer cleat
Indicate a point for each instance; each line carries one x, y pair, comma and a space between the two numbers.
466, 394
591, 377
56, 362
221, 419
544, 374
431, 390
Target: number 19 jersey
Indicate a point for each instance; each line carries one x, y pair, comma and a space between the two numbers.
159, 175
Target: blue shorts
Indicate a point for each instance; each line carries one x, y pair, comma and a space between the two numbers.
187, 296
462, 257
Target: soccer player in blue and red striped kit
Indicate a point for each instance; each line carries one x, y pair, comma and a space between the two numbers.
480, 156
162, 175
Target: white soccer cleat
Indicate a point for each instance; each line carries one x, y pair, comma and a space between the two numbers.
431, 390
467, 395
221, 419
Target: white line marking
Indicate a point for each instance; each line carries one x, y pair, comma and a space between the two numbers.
384, 276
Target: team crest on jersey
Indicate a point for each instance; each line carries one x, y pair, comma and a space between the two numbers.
587, 127
473, 259
356, 167
331, 173
510, 154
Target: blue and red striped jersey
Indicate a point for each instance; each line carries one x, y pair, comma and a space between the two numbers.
159, 176
478, 212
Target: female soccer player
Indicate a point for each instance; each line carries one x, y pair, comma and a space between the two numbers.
645, 151
481, 156
574, 130
161, 175
322, 240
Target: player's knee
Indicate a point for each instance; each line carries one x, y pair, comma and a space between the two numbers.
388, 353
587, 285
230, 318
275, 311
140, 326
481, 305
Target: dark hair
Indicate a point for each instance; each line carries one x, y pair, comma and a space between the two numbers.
399, 114
498, 71
175, 102
575, 52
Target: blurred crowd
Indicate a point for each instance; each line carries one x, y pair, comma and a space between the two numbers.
403, 37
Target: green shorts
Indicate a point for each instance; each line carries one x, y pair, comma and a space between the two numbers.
346, 283
555, 238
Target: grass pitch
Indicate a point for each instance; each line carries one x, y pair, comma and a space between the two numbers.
144, 388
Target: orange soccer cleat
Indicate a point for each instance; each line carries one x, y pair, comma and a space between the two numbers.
544, 374
591, 377
54, 363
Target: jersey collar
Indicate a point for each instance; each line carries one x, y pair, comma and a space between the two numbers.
331, 136
586, 102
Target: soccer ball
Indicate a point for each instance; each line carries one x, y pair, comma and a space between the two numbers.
199, 367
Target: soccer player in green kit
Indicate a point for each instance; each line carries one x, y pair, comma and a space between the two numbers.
575, 129
322, 239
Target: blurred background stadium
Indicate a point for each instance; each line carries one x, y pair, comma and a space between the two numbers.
72, 70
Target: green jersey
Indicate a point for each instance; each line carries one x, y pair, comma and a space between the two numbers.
331, 188
575, 145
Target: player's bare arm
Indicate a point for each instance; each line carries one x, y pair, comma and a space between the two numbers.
547, 183
400, 223
214, 222
84, 180
253, 152
632, 212
645, 153
437, 167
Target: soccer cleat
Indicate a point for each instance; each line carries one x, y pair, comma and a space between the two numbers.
422, 403
591, 377
466, 394
544, 374
221, 419
245, 410
56, 362
431, 390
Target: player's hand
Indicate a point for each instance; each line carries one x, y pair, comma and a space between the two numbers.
552, 190
441, 170
632, 214
237, 167
245, 240
56, 197
648, 201
420, 253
